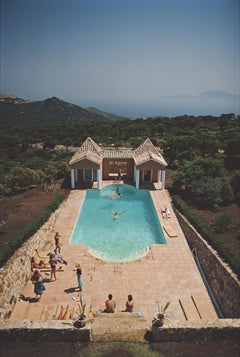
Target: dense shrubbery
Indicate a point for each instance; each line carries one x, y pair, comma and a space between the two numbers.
204, 181
30, 229
24, 173
208, 235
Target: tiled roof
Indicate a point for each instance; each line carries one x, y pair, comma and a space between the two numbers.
90, 149
118, 154
145, 152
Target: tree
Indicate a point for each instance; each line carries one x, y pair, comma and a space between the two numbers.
227, 192
193, 171
207, 192
235, 183
20, 179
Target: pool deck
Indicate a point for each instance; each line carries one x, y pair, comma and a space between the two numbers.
167, 273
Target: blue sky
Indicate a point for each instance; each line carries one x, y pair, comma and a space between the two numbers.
119, 54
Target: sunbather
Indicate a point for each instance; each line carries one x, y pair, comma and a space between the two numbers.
35, 265
166, 212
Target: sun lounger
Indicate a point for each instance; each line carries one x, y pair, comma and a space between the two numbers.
46, 269
39, 255
64, 313
170, 231
205, 310
189, 309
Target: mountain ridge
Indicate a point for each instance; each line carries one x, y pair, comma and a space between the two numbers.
18, 112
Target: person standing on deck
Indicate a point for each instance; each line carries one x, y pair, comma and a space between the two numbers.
57, 242
79, 276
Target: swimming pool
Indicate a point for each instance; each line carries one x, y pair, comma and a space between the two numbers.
123, 239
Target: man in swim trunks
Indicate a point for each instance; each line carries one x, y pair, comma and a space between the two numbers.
110, 304
117, 214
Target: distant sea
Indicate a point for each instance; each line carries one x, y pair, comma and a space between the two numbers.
209, 103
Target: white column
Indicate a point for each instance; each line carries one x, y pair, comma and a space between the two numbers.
99, 171
137, 179
159, 175
163, 179
72, 179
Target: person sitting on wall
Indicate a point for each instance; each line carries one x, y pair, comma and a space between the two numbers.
129, 304
110, 304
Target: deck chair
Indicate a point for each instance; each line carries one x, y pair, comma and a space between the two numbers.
170, 231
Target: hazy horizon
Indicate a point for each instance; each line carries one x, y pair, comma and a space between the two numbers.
122, 56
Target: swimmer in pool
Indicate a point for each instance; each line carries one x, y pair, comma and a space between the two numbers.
112, 197
116, 214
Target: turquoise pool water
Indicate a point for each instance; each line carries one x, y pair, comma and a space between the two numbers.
123, 239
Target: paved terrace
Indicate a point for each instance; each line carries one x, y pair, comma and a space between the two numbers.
167, 273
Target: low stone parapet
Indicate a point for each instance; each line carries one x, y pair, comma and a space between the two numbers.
119, 327
193, 330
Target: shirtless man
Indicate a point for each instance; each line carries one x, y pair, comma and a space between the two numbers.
110, 304
129, 304
116, 195
117, 214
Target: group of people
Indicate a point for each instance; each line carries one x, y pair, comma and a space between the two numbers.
36, 267
38, 280
116, 195
110, 304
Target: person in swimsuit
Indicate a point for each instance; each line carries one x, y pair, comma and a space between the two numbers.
79, 276
35, 265
129, 304
53, 264
116, 195
116, 214
36, 279
57, 242
110, 304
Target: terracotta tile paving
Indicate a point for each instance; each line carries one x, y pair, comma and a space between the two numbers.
167, 272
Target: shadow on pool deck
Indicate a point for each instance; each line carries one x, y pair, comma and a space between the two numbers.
167, 273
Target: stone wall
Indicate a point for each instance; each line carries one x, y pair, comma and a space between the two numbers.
223, 282
19, 266
112, 328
